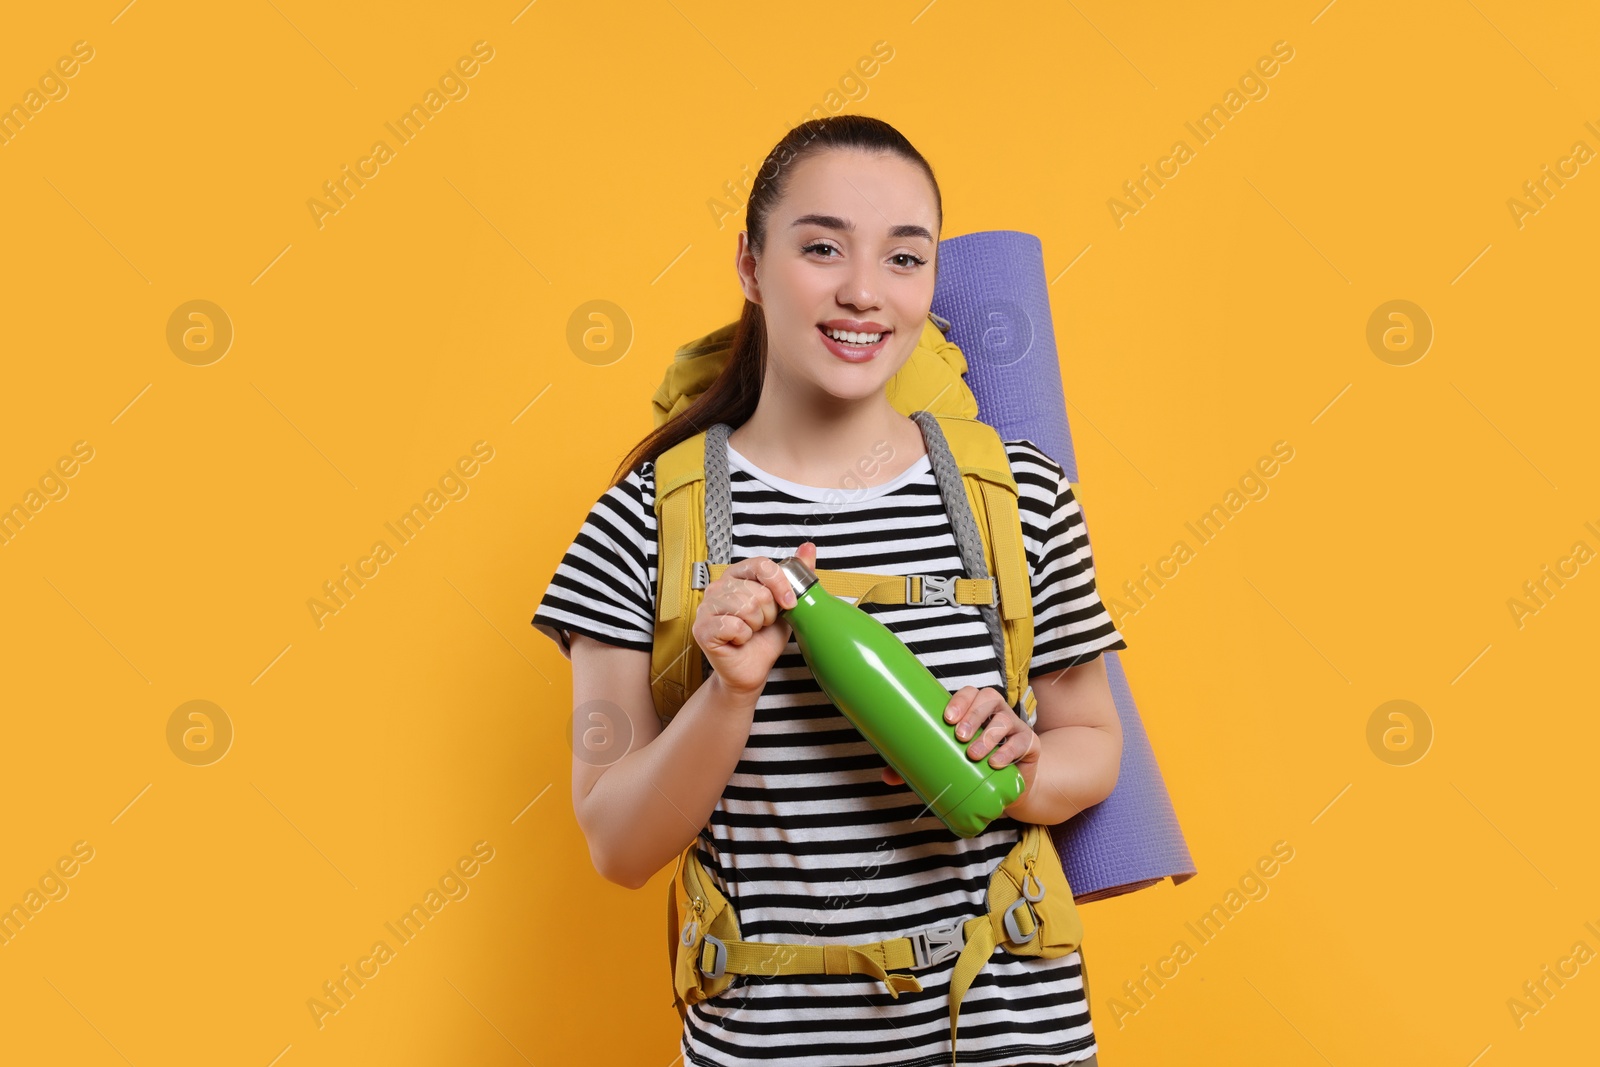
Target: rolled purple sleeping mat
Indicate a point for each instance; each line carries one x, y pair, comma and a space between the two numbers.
1132, 838
992, 291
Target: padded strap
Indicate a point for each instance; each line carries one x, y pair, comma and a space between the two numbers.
1009, 563
969, 541
719, 498
676, 664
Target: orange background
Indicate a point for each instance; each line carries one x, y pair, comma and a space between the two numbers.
369, 752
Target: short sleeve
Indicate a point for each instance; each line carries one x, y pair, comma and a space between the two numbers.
1070, 624
604, 586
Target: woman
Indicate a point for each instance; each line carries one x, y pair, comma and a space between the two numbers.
798, 821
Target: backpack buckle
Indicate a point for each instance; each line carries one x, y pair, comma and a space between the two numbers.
935, 590
1027, 715
1027, 900
719, 959
1013, 931
702, 575
937, 943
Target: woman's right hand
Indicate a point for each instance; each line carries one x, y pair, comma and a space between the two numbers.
737, 625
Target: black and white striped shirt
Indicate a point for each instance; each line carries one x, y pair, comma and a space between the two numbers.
807, 841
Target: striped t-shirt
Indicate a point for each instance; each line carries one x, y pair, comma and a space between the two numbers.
807, 842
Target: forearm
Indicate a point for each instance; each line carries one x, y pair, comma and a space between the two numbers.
1075, 771
653, 801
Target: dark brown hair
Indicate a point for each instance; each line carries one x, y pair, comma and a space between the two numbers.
732, 396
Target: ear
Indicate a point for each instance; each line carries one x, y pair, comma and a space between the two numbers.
744, 264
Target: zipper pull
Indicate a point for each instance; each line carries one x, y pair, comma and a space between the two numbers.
691, 929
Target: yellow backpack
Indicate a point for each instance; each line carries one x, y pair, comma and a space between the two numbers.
1031, 909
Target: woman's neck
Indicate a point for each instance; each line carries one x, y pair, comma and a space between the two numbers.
831, 445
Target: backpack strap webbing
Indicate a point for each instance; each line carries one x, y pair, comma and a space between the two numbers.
865, 588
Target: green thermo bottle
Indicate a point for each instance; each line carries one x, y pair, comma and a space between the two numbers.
897, 704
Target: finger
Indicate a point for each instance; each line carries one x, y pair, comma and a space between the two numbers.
771, 578
891, 777
784, 594
726, 630
985, 704
1015, 746
761, 571
763, 603
747, 600
960, 701
990, 734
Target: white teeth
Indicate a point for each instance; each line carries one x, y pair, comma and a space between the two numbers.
854, 338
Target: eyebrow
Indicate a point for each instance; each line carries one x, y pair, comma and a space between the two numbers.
834, 222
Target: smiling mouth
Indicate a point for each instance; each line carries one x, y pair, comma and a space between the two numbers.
850, 351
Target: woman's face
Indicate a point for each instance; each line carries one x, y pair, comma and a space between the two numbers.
851, 245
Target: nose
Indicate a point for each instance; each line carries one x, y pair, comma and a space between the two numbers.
859, 288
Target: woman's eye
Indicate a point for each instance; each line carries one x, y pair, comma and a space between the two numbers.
916, 260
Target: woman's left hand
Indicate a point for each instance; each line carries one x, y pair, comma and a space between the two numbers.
996, 729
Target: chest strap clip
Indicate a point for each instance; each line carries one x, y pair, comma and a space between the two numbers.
937, 944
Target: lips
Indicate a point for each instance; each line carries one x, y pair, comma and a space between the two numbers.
854, 353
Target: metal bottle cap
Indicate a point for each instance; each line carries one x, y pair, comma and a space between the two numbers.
799, 576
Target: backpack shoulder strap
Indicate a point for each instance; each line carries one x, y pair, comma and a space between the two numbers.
677, 666
989, 536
